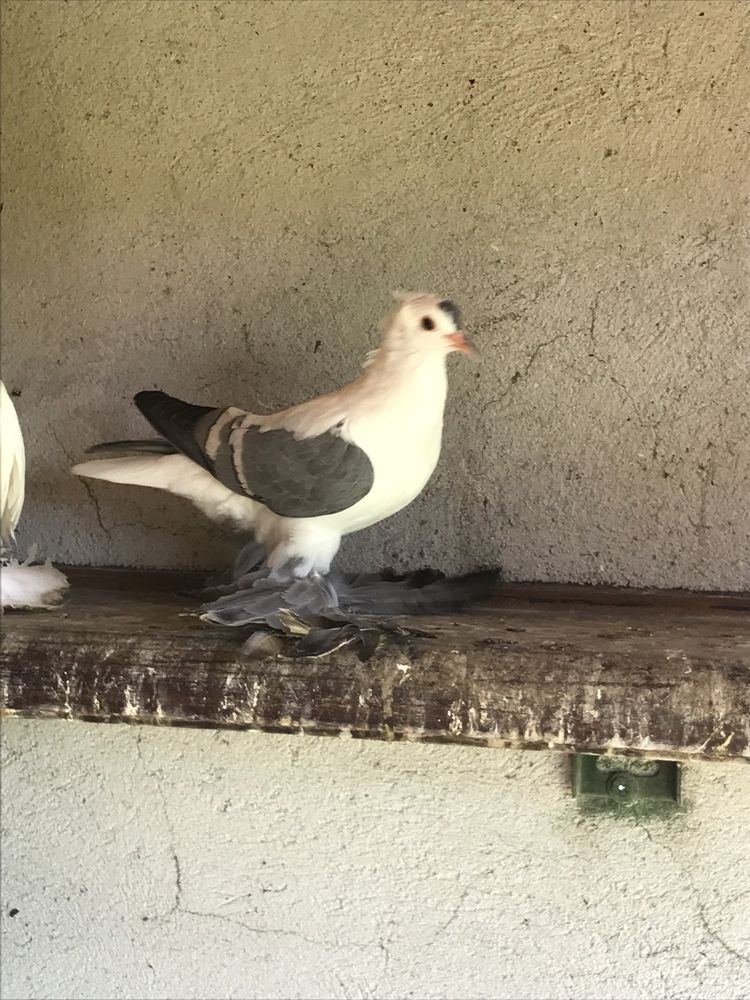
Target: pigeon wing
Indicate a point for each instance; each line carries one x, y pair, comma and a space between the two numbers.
292, 476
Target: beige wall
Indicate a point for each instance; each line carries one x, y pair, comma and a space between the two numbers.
195, 194
163, 863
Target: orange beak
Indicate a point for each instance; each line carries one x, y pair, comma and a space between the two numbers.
459, 342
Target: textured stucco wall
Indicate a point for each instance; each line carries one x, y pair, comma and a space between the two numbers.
198, 194
164, 863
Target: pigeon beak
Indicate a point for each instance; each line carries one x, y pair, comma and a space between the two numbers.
459, 342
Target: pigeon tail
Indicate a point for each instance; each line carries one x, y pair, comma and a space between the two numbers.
176, 474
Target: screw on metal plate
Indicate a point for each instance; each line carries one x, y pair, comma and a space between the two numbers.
604, 783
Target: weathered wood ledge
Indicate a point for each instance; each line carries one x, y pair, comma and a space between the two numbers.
583, 669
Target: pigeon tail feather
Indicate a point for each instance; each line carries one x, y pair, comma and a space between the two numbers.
176, 474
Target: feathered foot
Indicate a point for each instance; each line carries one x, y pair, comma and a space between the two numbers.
322, 614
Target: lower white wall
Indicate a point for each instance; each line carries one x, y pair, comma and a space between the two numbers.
142, 862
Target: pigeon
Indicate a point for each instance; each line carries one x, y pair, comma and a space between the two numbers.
300, 479
26, 583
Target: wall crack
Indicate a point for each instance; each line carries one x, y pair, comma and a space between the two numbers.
700, 907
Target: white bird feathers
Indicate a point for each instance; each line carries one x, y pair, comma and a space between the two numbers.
300, 479
12, 467
22, 584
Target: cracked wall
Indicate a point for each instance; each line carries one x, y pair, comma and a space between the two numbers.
141, 862
217, 198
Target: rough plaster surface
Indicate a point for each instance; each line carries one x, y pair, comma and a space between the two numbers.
187, 863
217, 198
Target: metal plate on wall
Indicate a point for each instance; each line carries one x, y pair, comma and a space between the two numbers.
605, 783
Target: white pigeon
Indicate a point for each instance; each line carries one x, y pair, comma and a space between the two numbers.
22, 584
12, 467
301, 479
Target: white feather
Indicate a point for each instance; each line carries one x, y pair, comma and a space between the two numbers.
178, 475
12, 467
25, 585
22, 584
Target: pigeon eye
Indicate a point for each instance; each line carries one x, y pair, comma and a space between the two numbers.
427, 323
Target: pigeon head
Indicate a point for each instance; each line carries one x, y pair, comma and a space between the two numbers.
424, 324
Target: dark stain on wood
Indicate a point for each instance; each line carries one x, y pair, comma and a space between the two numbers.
568, 668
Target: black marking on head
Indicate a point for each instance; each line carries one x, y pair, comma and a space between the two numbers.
452, 309
426, 323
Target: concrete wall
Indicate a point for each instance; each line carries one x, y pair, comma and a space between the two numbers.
217, 198
149, 863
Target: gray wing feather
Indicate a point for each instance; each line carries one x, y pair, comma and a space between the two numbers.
301, 478
155, 447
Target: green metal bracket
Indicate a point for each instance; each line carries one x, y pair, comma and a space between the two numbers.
605, 783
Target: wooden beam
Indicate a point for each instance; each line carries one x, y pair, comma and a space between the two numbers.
583, 669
